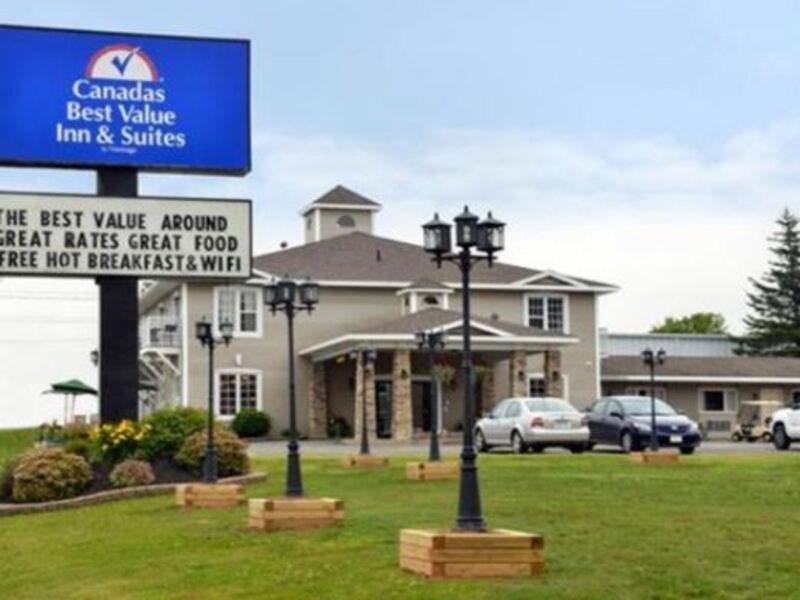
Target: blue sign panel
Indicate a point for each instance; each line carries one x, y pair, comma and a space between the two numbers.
94, 99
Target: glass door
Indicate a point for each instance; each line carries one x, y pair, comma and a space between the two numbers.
383, 409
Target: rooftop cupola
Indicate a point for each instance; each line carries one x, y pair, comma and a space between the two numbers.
422, 294
338, 212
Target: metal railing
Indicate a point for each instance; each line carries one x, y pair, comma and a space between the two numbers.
159, 331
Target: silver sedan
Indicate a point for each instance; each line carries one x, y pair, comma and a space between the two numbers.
533, 423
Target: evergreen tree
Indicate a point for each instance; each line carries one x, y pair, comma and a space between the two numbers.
773, 325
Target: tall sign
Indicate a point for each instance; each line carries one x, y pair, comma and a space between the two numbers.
121, 103
94, 99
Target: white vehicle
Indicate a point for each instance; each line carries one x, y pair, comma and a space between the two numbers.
532, 423
785, 427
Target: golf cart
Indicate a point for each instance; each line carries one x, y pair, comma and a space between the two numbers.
753, 420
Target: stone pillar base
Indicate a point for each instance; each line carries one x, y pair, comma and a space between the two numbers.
213, 495
430, 471
279, 514
456, 554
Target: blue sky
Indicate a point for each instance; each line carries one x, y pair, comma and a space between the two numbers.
648, 144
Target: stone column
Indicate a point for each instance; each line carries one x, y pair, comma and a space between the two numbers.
402, 426
518, 374
554, 380
317, 402
488, 393
364, 376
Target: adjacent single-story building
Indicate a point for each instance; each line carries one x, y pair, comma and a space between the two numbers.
701, 376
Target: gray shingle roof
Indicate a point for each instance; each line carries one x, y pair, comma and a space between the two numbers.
703, 366
434, 318
427, 284
362, 257
343, 196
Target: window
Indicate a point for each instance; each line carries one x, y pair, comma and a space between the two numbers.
718, 400
430, 300
236, 391
242, 307
537, 386
346, 222
547, 312
514, 410
498, 410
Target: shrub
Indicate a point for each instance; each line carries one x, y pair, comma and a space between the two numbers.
50, 474
118, 441
232, 456
169, 429
251, 423
338, 428
130, 473
78, 440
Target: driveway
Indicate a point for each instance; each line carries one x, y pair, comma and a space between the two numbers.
389, 448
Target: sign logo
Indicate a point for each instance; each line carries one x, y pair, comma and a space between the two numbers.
121, 61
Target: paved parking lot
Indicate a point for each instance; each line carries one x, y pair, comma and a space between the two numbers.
387, 448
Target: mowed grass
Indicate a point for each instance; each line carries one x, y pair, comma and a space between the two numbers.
14, 441
712, 527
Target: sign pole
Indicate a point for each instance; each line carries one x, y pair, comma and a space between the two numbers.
119, 321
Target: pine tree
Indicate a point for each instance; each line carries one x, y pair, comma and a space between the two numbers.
773, 325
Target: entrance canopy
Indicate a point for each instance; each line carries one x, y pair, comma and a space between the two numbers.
487, 335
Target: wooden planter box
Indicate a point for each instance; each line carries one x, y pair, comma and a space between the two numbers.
276, 514
654, 458
430, 471
209, 495
454, 554
364, 461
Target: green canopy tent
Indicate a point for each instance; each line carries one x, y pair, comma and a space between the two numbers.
71, 389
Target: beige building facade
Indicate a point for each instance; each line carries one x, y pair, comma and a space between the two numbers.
534, 332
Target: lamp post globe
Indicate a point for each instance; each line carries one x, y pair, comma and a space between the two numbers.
491, 235
437, 237
466, 229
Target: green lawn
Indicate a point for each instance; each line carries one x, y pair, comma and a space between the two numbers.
14, 441
712, 527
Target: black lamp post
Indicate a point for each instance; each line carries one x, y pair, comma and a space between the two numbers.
485, 238
368, 358
432, 341
651, 359
289, 297
205, 333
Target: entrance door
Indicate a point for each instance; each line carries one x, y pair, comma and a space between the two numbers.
383, 409
421, 405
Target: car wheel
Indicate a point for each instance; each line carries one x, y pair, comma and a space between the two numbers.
517, 444
780, 439
537, 449
736, 437
577, 449
590, 446
480, 442
626, 442
687, 450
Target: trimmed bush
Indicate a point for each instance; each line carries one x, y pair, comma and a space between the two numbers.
169, 430
50, 474
251, 423
78, 440
232, 456
130, 473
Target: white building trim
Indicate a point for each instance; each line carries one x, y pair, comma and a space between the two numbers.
702, 379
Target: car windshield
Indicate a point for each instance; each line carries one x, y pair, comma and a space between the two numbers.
642, 406
549, 405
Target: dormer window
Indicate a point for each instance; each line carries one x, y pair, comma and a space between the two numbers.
346, 222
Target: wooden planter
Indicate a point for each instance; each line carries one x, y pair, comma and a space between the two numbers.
276, 514
364, 461
454, 554
430, 471
654, 458
209, 495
